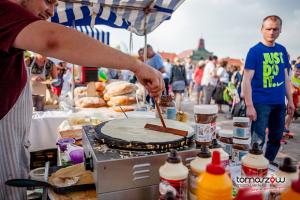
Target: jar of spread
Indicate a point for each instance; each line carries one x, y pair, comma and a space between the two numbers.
240, 148
173, 177
254, 164
205, 127
241, 127
167, 107
198, 166
226, 140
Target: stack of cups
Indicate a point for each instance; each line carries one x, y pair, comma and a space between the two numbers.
241, 138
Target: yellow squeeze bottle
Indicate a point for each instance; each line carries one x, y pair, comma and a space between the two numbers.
214, 184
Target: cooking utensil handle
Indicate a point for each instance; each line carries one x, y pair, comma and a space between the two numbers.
27, 183
159, 113
46, 175
123, 111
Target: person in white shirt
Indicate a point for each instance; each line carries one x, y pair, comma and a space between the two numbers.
209, 79
189, 68
223, 79
166, 75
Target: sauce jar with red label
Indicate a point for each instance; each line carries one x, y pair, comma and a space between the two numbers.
173, 177
254, 163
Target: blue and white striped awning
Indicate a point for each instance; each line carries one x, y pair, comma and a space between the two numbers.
95, 33
138, 16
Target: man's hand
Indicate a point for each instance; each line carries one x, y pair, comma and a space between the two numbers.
150, 78
290, 108
251, 113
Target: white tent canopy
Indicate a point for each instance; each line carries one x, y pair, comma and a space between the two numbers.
95, 33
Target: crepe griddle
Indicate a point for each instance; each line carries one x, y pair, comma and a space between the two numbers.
138, 145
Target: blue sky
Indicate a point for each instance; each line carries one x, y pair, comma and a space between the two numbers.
229, 27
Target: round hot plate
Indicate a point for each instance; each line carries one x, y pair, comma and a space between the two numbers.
130, 134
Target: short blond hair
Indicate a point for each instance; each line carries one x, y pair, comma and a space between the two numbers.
273, 18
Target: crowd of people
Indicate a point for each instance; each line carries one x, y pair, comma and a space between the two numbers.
265, 88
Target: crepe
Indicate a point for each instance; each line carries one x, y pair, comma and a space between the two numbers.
132, 129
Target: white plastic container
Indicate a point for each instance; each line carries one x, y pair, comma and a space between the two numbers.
37, 174
254, 164
173, 177
224, 156
287, 173
198, 166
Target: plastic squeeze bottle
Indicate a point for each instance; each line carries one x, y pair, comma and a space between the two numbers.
215, 146
292, 193
173, 177
198, 166
285, 175
254, 163
214, 184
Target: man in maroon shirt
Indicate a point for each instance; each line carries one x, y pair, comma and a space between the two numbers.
23, 27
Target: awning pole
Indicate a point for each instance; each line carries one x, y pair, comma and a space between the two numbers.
145, 52
73, 81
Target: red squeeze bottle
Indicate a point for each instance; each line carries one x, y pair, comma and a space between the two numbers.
247, 194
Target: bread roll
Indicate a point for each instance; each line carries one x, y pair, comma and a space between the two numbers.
80, 92
121, 100
125, 108
99, 86
91, 90
118, 88
76, 134
90, 102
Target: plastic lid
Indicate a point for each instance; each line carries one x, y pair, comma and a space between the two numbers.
241, 119
287, 165
248, 194
169, 196
226, 133
296, 185
255, 149
215, 144
215, 167
204, 152
173, 157
206, 109
241, 141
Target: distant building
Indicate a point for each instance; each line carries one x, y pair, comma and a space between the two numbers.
198, 54
185, 54
201, 53
234, 61
166, 55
